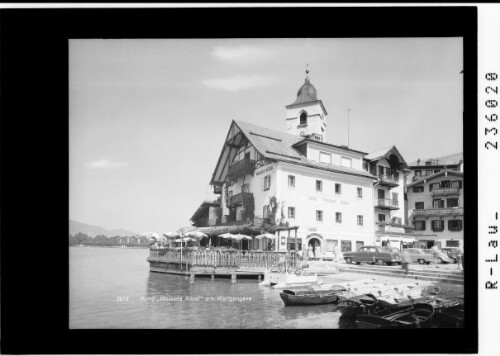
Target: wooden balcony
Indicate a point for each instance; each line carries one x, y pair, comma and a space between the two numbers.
445, 191
436, 212
388, 180
240, 169
386, 204
238, 199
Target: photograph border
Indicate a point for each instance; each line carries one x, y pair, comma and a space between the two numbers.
35, 161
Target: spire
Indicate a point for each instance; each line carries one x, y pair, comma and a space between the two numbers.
307, 70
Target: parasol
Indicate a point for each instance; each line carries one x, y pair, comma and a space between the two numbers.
265, 236
195, 234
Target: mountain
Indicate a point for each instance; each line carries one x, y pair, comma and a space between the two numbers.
90, 230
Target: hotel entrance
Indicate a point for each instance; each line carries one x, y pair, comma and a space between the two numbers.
314, 248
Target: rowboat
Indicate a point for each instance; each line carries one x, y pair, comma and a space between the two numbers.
408, 316
449, 312
309, 296
350, 307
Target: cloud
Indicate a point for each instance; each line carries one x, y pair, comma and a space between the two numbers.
239, 82
106, 164
242, 54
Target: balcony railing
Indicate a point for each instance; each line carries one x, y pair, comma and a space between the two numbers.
386, 204
240, 169
388, 180
436, 212
237, 199
445, 191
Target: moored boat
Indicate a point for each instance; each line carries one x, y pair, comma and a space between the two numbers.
408, 316
365, 304
309, 296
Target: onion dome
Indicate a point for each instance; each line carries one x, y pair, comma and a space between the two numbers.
307, 93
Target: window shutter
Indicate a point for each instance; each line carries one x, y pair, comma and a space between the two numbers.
459, 224
460, 184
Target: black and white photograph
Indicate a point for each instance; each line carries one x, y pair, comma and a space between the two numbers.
299, 183
249, 179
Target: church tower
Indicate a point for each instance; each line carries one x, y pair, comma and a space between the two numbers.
307, 115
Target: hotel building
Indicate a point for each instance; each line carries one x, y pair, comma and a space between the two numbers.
331, 194
436, 209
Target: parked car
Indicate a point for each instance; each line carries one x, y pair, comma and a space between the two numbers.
420, 256
439, 256
452, 252
374, 254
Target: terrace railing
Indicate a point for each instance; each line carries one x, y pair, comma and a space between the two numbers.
445, 191
223, 258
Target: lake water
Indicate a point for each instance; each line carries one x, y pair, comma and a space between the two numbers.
113, 288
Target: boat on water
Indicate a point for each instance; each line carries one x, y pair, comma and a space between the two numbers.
362, 304
287, 280
415, 315
309, 296
448, 311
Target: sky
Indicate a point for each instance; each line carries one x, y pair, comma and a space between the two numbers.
148, 117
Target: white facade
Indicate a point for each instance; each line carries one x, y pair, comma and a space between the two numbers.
306, 119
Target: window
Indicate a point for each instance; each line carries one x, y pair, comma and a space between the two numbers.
433, 186
325, 157
330, 245
346, 246
303, 118
455, 225
418, 189
445, 184
360, 192
319, 215
438, 203
265, 211
359, 244
452, 203
381, 217
381, 194
428, 172
436, 171
291, 181
419, 225
245, 188
346, 162
418, 173
338, 188
437, 225
291, 212
380, 171
452, 243
230, 193
395, 197
360, 220
338, 218
456, 184
267, 182
319, 185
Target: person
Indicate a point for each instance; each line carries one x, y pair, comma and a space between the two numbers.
310, 252
460, 257
314, 250
336, 252
405, 260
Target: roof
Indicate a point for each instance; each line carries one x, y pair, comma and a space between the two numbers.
306, 93
435, 175
386, 153
328, 144
278, 145
203, 207
450, 159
